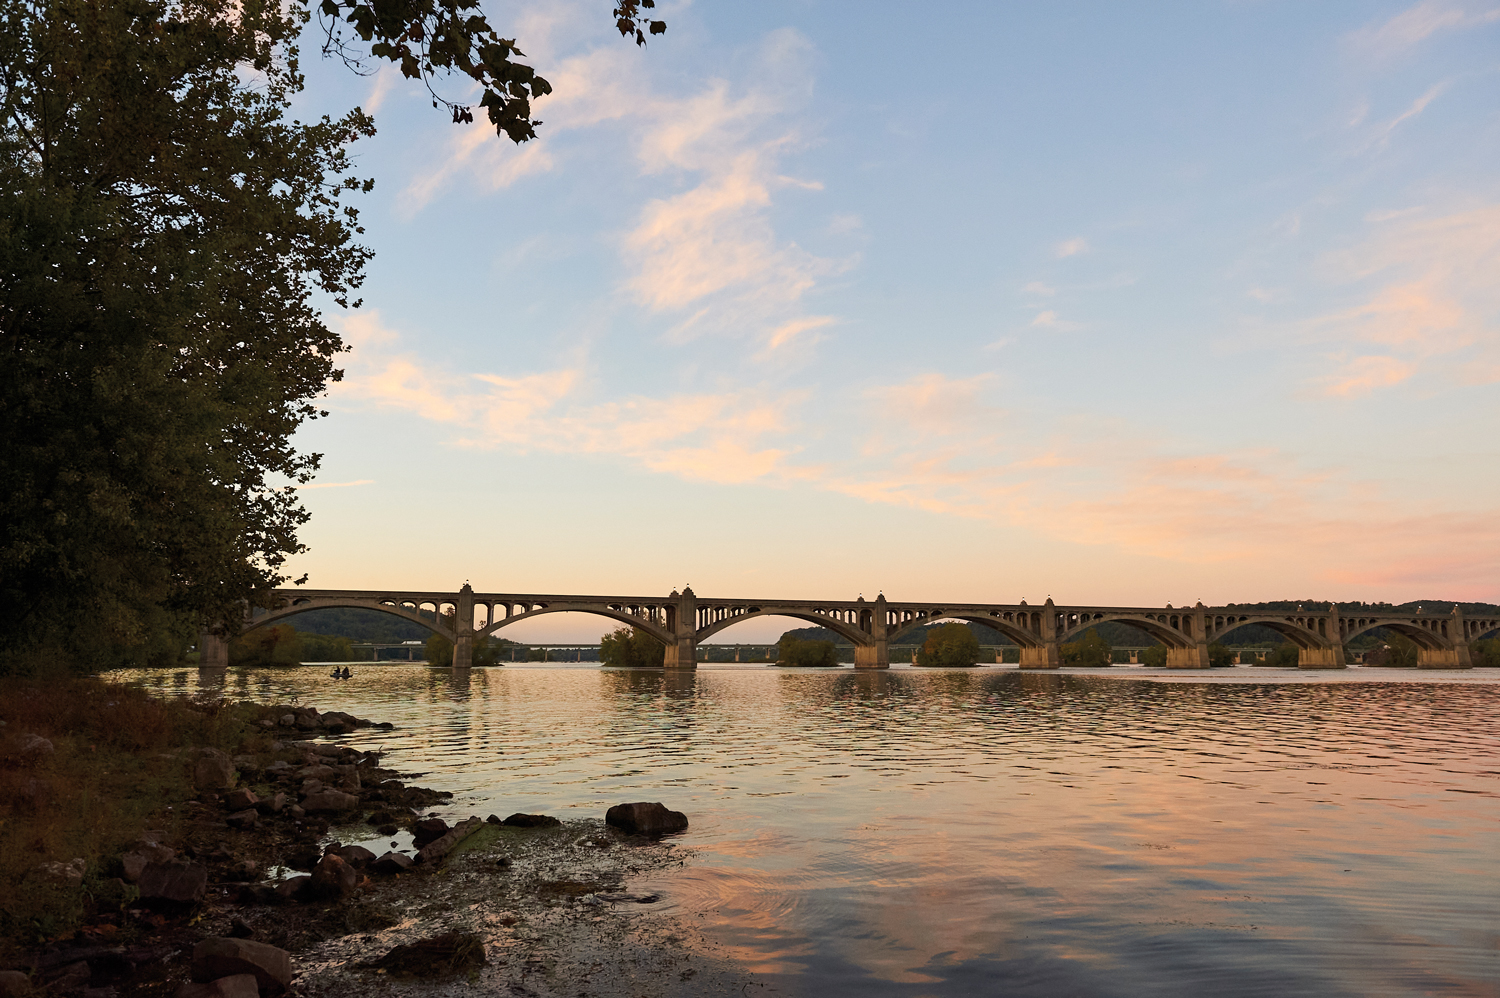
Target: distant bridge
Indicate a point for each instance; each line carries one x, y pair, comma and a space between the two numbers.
681, 621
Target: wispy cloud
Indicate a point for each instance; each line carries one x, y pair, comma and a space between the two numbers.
1071, 247
1380, 134
1417, 24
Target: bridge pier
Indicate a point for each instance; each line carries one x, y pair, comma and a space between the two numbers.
463, 629
1194, 656
213, 650
683, 653
1456, 656
873, 656
1048, 654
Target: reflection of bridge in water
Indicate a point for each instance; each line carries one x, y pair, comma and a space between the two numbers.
681, 621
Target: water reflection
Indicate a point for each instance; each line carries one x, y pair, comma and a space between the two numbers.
915, 833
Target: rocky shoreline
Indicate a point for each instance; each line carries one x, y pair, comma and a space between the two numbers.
252, 890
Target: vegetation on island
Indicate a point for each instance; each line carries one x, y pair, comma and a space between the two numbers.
1088, 652
951, 646
794, 651
631, 647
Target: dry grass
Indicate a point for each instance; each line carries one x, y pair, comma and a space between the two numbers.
120, 760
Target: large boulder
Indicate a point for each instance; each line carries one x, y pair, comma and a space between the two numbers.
214, 771
392, 862
333, 878
175, 880
531, 821
218, 957
14, 983
428, 830
645, 818
329, 801
234, 986
355, 855
238, 800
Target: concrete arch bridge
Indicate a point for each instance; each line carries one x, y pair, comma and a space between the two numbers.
681, 621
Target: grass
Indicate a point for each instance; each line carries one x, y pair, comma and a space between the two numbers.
120, 760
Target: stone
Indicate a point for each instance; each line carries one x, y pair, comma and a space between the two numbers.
319, 772
214, 771
69, 873
308, 721
645, 818
70, 978
273, 804
428, 830
325, 801
392, 862
438, 955
296, 811
243, 819
339, 717
238, 800
531, 821
36, 745
176, 880
288, 720
295, 888
234, 986
434, 851
493, 819
355, 856
14, 983
218, 957
333, 878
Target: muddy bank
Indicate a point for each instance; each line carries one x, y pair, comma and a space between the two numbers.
305, 866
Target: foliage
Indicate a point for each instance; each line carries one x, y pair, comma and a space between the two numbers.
438, 649
1089, 651
630, 647
1154, 657
1486, 653
795, 652
424, 37
277, 644
1219, 657
361, 625
163, 229
949, 646
1283, 656
1398, 652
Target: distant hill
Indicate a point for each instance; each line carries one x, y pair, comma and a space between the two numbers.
358, 625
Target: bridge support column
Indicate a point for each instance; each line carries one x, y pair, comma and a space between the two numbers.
1048, 654
463, 628
876, 655
1194, 656
1456, 656
213, 650
1330, 656
683, 653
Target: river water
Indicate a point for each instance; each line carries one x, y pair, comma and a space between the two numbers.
986, 831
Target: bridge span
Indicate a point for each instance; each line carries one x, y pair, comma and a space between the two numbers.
681, 621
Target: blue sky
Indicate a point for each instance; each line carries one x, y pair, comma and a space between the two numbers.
1114, 303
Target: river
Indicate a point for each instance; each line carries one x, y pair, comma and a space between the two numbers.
986, 831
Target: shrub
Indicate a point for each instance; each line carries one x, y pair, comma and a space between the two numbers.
1219, 657
628, 647
949, 646
278, 644
1283, 656
1155, 657
1089, 651
792, 651
1486, 653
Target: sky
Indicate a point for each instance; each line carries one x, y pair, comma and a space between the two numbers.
1117, 304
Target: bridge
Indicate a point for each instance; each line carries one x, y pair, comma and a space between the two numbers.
682, 621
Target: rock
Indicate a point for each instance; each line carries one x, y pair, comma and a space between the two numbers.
146, 851
272, 804
13, 983
295, 888
329, 801
241, 929
308, 722
531, 821
388, 829
176, 880
238, 800
234, 986
318, 772
493, 819
69, 873
218, 957
243, 819
392, 862
288, 720
445, 954
435, 851
214, 771
355, 856
70, 978
333, 878
385, 726
296, 811
428, 830
266, 723
645, 818
36, 745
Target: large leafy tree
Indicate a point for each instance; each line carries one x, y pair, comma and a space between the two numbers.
164, 233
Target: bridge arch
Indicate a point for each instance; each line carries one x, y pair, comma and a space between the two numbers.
621, 615
1017, 634
839, 627
1294, 630
1167, 629
392, 607
1429, 637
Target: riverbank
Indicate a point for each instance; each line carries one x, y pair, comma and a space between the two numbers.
133, 828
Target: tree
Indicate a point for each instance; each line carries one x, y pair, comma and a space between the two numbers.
1089, 651
163, 232
1486, 653
949, 646
438, 650
277, 644
1283, 656
794, 652
1154, 657
1219, 656
632, 648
